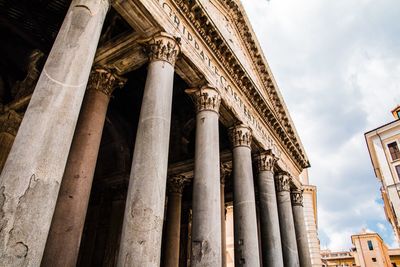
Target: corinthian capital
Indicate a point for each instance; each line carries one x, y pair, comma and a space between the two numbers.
177, 183
240, 135
205, 98
297, 197
105, 81
282, 181
162, 47
266, 161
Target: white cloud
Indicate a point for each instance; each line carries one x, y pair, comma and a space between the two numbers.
338, 67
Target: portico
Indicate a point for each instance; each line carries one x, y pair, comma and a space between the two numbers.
137, 154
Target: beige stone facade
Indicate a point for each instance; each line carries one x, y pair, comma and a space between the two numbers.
383, 146
368, 250
146, 120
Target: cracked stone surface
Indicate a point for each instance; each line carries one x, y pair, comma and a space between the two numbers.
31, 177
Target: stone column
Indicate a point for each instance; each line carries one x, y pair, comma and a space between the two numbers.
286, 223
32, 175
206, 225
144, 210
300, 227
269, 218
244, 202
225, 172
173, 227
9, 124
62, 245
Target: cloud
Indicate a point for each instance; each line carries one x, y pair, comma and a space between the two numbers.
337, 64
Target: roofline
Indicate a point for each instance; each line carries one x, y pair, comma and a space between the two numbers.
387, 124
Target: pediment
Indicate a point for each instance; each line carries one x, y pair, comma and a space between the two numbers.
224, 22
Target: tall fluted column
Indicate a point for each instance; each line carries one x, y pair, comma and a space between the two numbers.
206, 224
286, 223
62, 245
173, 228
225, 172
32, 175
144, 210
269, 218
244, 202
300, 227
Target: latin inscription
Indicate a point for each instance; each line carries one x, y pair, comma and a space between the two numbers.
221, 82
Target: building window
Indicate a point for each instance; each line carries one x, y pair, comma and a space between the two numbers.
394, 150
370, 246
398, 170
373, 259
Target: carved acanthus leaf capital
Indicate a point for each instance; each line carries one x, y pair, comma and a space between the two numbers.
162, 47
240, 135
266, 161
225, 172
205, 98
282, 182
297, 197
177, 183
105, 80
10, 122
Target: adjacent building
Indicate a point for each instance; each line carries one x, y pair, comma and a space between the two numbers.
384, 149
368, 250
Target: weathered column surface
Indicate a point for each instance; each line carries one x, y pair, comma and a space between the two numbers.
244, 202
144, 210
62, 245
31, 177
300, 227
269, 218
173, 227
286, 223
206, 224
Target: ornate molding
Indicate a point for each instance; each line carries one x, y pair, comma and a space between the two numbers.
105, 81
276, 116
177, 183
266, 161
240, 135
282, 182
205, 98
297, 197
162, 47
10, 122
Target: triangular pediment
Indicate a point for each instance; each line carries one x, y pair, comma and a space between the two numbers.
223, 20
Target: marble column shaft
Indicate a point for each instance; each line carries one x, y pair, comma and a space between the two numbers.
144, 210
300, 227
286, 223
244, 204
63, 242
32, 175
269, 218
173, 227
206, 223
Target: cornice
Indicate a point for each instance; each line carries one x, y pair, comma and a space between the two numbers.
277, 116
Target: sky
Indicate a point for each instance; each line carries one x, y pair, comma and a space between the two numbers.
337, 64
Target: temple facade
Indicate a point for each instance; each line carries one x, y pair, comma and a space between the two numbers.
130, 131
